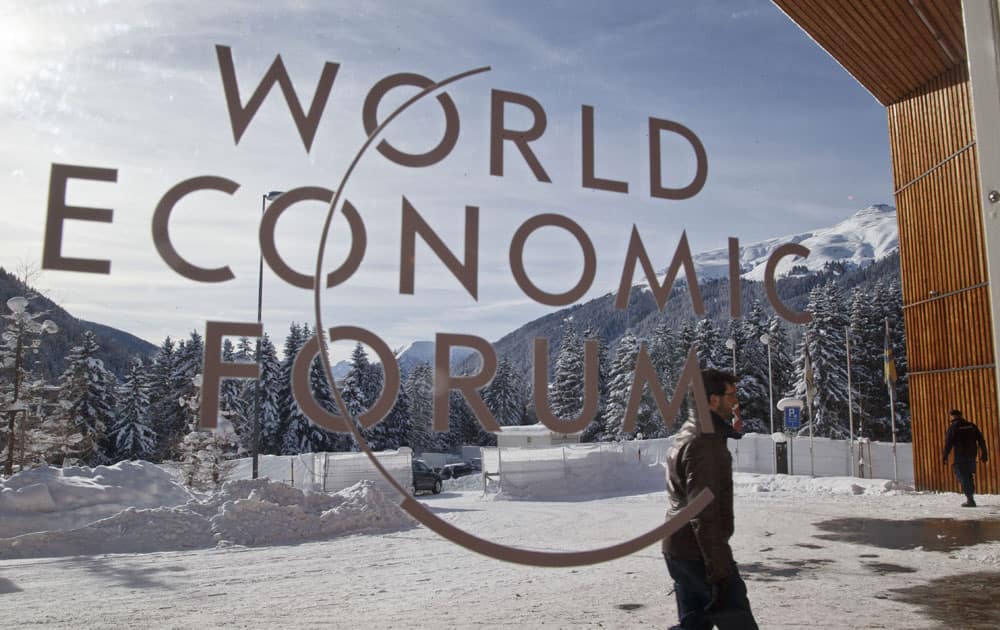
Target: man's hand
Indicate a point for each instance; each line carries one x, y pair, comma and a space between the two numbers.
718, 597
737, 420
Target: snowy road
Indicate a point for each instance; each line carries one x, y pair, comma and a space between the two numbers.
412, 578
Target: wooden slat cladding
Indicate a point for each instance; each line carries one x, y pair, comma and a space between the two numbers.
892, 47
930, 125
948, 333
941, 243
972, 391
946, 301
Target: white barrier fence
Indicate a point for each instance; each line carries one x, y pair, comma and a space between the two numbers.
329, 472
581, 470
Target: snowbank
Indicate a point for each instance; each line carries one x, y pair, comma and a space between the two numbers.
748, 483
50, 498
136, 507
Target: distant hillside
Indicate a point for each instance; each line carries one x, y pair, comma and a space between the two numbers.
642, 316
858, 251
116, 346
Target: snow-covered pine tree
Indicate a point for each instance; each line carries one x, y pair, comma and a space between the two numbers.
782, 366
396, 426
296, 436
888, 296
711, 352
751, 369
320, 438
234, 402
620, 380
165, 414
271, 423
132, 435
824, 338
566, 390
88, 398
190, 358
866, 328
597, 425
376, 435
504, 396
420, 390
355, 387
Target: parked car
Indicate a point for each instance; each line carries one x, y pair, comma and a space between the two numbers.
454, 471
425, 478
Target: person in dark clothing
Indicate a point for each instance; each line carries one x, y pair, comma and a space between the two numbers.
965, 438
707, 583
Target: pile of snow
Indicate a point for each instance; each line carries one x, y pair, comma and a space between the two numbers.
48, 498
136, 507
749, 483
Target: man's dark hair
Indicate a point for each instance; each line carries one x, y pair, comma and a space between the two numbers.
716, 381
955, 413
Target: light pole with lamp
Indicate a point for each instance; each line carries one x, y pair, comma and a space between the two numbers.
766, 340
255, 438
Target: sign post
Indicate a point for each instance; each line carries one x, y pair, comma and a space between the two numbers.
792, 410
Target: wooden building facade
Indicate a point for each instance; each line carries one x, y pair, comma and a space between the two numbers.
911, 55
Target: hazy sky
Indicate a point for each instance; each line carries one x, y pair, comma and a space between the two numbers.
793, 143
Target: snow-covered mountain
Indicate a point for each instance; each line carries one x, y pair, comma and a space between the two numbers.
868, 235
423, 352
341, 369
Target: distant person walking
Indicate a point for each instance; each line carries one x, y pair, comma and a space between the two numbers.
965, 438
707, 584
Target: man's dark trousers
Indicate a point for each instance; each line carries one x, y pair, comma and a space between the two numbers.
693, 594
964, 470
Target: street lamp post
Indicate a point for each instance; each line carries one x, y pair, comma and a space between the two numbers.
766, 340
255, 439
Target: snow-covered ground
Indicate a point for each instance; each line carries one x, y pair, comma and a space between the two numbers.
263, 555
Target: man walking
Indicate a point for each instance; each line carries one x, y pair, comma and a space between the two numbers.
707, 584
964, 437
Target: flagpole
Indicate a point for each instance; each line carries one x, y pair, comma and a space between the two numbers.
850, 405
809, 396
889, 382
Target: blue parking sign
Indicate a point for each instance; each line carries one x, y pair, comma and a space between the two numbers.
793, 417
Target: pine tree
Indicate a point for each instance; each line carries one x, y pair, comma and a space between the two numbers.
888, 295
420, 390
782, 366
396, 427
597, 426
190, 358
236, 405
164, 390
504, 396
869, 393
824, 340
751, 369
296, 436
88, 396
271, 422
355, 389
322, 440
566, 391
710, 351
620, 381
132, 435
